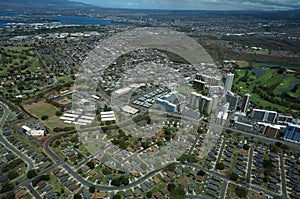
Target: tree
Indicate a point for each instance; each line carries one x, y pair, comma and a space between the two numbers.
12, 175
201, 173
178, 193
149, 194
281, 71
92, 189
91, 165
40, 95
278, 144
58, 113
220, 166
115, 182
120, 181
9, 196
74, 138
246, 147
171, 187
160, 143
124, 181
171, 167
145, 145
267, 164
44, 117
56, 143
123, 145
7, 187
31, 174
234, 176
241, 192
77, 196
116, 197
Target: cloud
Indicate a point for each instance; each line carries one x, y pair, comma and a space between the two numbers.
200, 4
225, 4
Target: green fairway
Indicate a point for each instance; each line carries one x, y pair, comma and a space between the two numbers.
18, 60
296, 94
265, 89
285, 85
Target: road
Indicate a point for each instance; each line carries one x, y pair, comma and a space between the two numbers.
248, 177
193, 196
142, 179
223, 190
194, 144
221, 152
283, 185
33, 192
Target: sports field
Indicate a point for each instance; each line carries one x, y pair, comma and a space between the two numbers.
43, 108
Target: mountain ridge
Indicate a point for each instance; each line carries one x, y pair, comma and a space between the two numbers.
17, 4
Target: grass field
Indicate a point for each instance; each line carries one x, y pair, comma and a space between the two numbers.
185, 90
42, 108
65, 79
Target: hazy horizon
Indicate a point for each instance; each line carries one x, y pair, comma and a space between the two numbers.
198, 4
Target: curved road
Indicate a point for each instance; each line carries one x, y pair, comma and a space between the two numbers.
141, 180
59, 162
29, 163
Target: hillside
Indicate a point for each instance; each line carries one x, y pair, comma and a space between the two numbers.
17, 5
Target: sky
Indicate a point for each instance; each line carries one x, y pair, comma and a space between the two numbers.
199, 4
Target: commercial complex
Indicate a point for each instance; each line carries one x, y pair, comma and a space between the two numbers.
284, 119
264, 115
207, 79
292, 133
203, 103
168, 102
233, 100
